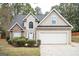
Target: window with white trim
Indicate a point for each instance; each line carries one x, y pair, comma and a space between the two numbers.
30, 24
16, 34
54, 18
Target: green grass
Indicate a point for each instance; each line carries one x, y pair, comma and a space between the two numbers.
75, 39
21, 51
8, 50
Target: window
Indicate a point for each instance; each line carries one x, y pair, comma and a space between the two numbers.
53, 19
30, 24
16, 34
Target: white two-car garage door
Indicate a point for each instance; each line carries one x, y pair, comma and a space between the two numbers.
53, 37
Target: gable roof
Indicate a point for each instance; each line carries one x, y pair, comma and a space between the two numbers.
20, 18
30, 13
39, 17
14, 25
58, 14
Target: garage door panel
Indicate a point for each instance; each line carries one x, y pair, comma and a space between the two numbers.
53, 37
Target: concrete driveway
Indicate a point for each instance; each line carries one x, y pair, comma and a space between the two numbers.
60, 50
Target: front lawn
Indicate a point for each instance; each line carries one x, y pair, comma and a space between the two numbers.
8, 50
19, 51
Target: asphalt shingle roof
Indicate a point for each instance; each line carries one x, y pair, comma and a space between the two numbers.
40, 16
19, 19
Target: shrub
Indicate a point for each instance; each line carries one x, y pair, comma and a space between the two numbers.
18, 41
26, 39
10, 41
7, 38
38, 42
31, 43
21, 42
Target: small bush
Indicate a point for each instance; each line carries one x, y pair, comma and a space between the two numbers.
10, 41
38, 42
31, 43
18, 41
7, 38
21, 42
26, 39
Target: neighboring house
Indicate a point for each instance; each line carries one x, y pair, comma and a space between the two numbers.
50, 29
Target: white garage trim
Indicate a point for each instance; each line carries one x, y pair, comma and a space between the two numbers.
16, 34
54, 37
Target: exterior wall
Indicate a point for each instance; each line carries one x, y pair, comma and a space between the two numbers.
30, 18
67, 31
48, 20
16, 28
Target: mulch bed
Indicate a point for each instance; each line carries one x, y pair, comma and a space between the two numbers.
75, 33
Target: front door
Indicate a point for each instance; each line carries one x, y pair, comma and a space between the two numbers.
30, 35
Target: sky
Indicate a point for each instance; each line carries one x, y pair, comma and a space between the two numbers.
45, 5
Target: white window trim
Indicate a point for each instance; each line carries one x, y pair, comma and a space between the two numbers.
16, 34
52, 19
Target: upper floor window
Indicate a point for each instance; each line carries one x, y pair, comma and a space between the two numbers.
53, 19
30, 24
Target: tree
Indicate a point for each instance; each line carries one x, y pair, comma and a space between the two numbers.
38, 10
5, 16
15, 8
26, 8
21, 8
46, 13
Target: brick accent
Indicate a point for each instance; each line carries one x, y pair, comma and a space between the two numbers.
16, 28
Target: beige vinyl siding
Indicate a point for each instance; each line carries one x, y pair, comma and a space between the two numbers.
48, 20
